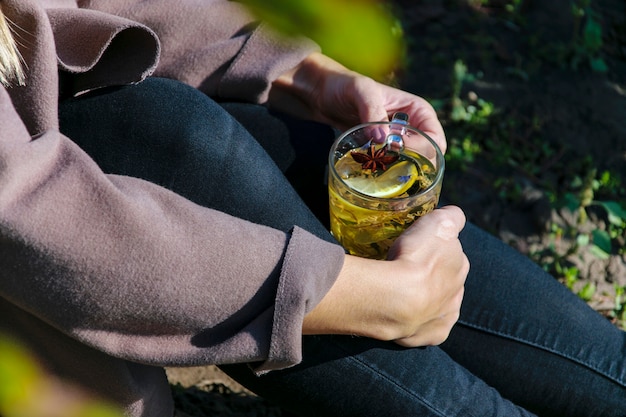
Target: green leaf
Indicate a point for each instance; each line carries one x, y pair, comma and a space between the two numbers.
598, 64
362, 35
598, 252
18, 373
582, 240
593, 34
587, 292
602, 240
571, 202
616, 213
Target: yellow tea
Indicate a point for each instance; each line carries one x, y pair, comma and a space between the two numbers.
372, 202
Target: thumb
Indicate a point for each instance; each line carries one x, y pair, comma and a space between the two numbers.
445, 223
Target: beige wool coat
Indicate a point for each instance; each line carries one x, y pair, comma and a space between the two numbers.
109, 278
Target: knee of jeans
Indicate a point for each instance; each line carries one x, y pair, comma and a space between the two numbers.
182, 120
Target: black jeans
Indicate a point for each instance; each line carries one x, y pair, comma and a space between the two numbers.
524, 344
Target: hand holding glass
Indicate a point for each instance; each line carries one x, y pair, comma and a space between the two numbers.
382, 177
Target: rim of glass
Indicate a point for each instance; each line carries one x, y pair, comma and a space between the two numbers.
438, 156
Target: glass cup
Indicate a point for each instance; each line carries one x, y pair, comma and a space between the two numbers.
382, 177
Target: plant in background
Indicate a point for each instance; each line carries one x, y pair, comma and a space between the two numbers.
462, 152
474, 111
601, 240
515, 17
556, 262
471, 115
570, 274
587, 41
459, 76
587, 292
618, 314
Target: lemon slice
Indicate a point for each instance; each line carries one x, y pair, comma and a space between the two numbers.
391, 183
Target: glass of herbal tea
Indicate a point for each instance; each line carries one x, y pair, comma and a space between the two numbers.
382, 177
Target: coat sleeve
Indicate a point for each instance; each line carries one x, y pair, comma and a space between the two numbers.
141, 273
213, 45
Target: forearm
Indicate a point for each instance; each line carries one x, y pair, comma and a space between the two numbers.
132, 268
358, 303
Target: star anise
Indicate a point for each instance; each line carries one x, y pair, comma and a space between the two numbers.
374, 159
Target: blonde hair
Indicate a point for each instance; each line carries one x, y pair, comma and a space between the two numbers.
11, 62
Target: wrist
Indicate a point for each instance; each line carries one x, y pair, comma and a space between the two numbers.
356, 303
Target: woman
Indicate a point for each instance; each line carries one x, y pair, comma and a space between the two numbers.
163, 234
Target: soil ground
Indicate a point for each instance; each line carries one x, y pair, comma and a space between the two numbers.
563, 116
560, 115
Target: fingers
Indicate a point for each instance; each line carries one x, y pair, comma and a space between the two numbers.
437, 330
444, 223
324, 90
378, 102
437, 268
424, 117
421, 113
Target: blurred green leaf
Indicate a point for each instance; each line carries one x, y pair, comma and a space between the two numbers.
598, 252
592, 34
571, 202
18, 374
587, 291
602, 240
27, 391
361, 34
582, 240
598, 65
616, 213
